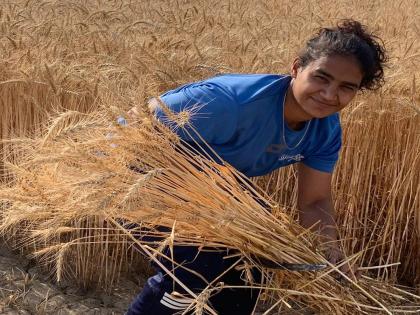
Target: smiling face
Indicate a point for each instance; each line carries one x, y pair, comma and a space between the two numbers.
324, 86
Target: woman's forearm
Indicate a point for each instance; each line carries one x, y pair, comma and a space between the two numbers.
320, 217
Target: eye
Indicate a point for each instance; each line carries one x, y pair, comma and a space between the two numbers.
349, 88
321, 78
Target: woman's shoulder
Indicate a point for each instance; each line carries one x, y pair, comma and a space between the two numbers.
246, 88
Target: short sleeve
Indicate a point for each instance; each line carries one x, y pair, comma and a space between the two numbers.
212, 111
326, 157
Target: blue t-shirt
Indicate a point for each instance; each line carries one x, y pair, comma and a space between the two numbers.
241, 117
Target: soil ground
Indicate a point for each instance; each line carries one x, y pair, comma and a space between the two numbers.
26, 290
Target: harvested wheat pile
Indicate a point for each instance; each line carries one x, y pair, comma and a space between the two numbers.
75, 185
58, 56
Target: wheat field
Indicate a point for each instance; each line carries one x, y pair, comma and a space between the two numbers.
64, 59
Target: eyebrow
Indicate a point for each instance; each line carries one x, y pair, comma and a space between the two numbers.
320, 71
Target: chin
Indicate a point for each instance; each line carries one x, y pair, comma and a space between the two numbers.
310, 113
318, 111
323, 115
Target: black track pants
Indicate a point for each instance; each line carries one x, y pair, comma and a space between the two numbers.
162, 296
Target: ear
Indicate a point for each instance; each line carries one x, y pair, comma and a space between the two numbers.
295, 67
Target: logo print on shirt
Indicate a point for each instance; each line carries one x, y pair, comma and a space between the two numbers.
297, 157
278, 148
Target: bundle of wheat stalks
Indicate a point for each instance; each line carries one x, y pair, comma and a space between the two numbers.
67, 55
76, 188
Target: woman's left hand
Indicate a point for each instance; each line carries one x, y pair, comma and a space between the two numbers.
336, 257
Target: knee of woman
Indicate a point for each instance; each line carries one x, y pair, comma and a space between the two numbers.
157, 298
145, 302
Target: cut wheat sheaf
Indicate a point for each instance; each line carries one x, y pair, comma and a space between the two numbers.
67, 167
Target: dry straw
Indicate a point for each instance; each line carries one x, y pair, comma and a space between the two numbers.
88, 175
137, 49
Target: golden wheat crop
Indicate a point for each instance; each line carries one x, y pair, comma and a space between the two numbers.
78, 186
72, 54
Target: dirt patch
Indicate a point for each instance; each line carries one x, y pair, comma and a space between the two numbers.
25, 289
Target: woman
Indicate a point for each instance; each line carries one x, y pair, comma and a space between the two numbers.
258, 123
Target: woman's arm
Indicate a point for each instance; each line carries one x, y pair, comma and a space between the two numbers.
316, 211
315, 204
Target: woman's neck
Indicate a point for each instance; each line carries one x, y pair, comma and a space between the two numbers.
294, 116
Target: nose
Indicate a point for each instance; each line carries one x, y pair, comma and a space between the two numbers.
330, 93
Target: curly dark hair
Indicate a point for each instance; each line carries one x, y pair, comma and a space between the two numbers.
350, 38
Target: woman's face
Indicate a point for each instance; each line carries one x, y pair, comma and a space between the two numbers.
326, 85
